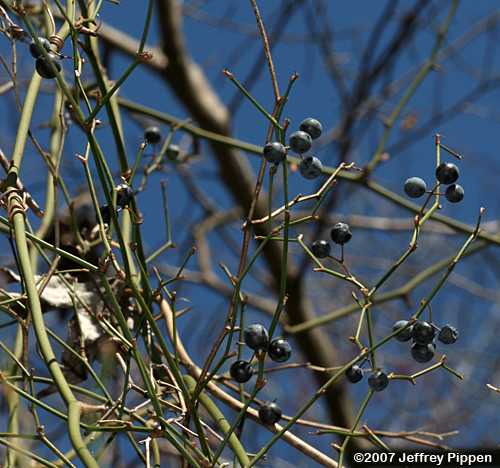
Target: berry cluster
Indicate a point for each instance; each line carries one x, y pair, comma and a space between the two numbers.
446, 174
377, 381
47, 66
340, 234
256, 338
299, 142
423, 336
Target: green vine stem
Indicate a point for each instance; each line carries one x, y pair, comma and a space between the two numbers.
234, 403
346, 175
336, 376
400, 292
410, 91
220, 420
16, 207
359, 415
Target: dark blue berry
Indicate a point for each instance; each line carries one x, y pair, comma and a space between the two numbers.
241, 371
311, 126
279, 350
415, 187
47, 67
310, 167
152, 135
341, 233
423, 352
354, 374
423, 332
255, 336
320, 248
447, 173
378, 381
300, 141
124, 195
406, 334
274, 152
105, 213
454, 193
36, 51
270, 413
173, 151
448, 334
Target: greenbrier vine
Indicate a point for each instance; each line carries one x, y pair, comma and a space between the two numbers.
126, 375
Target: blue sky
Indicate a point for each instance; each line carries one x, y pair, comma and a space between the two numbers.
472, 129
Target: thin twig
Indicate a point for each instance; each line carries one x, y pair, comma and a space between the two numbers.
267, 50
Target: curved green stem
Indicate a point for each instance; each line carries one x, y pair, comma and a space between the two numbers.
15, 206
12, 398
44, 343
